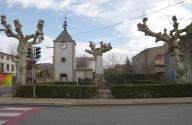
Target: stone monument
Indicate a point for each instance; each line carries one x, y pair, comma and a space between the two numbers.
24, 43
177, 41
97, 53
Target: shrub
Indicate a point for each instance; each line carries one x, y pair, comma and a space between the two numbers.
151, 90
57, 91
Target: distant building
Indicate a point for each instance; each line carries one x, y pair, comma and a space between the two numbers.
155, 60
7, 65
44, 72
85, 69
150, 60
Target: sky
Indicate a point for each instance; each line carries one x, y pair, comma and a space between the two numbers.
111, 21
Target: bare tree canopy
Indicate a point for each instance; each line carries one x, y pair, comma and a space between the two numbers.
35, 38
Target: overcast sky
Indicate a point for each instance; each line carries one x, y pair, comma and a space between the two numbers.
115, 20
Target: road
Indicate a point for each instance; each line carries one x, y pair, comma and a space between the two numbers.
102, 115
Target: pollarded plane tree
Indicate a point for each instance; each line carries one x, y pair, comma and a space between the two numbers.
25, 41
98, 51
174, 40
97, 54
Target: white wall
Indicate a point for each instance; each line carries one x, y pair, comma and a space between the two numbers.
6, 61
66, 67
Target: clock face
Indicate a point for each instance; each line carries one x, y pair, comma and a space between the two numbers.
63, 45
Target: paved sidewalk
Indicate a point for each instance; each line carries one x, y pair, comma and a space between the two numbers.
92, 102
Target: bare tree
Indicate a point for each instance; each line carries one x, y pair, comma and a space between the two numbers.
35, 38
112, 60
127, 66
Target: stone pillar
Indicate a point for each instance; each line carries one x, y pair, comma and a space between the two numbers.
99, 65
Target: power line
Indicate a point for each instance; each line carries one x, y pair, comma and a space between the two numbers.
84, 40
118, 23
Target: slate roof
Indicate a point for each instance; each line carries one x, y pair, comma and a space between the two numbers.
64, 36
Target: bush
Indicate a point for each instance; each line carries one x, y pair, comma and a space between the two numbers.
151, 90
57, 91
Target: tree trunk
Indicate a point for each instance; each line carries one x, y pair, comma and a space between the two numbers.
187, 52
22, 51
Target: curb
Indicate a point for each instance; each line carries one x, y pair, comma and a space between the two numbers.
90, 104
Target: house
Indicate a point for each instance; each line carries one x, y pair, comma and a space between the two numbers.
85, 69
151, 61
7, 65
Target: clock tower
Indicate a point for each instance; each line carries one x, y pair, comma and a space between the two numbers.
64, 57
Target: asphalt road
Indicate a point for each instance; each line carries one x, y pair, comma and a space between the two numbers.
113, 115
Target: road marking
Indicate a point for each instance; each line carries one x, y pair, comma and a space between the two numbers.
6, 114
2, 122
22, 109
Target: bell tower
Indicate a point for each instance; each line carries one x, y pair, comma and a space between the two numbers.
64, 56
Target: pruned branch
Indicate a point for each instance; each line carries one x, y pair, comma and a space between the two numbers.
15, 59
8, 30
18, 27
38, 35
98, 51
159, 36
90, 52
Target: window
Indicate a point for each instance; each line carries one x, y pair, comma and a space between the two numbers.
12, 67
158, 57
63, 59
7, 67
1, 67
7, 57
1, 56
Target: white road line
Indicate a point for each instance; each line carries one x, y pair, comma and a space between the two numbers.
7, 114
2, 122
22, 109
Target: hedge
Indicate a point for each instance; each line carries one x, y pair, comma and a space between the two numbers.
85, 82
58, 83
151, 82
56, 91
151, 90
